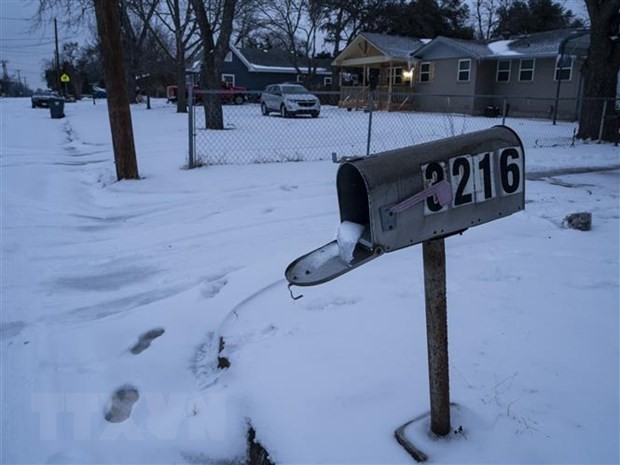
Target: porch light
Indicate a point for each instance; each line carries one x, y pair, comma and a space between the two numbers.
407, 75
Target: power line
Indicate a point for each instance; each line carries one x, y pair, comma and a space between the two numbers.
23, 46
16, 40
5, 18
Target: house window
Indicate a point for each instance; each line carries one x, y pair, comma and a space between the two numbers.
425, 71
503, 71
327, 81
396, 75
563, 68
228, 57
464, 70
526, 70
228, 79
301, 77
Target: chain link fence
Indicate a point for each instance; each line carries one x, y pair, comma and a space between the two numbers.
353, 128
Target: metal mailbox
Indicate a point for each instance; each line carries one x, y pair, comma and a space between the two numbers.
410, 195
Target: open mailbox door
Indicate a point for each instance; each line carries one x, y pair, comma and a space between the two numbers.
407, 196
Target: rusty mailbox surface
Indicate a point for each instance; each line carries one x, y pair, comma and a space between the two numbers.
410, 195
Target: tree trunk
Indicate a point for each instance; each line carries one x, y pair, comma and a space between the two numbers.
600, 71
181, 84
214, 114
108, 28
212, 57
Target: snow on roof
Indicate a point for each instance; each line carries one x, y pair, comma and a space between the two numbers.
501, 48
539, 44
277, 61
466, 48
542, 44
286, 69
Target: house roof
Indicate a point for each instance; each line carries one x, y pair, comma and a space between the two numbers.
274, 60
541, 44
394, 46
372, 49
469, 48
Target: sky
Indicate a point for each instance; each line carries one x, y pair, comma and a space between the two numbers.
26, 50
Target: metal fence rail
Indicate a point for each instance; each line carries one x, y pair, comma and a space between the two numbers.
250, 137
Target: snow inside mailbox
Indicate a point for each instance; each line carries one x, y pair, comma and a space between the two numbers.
403, 197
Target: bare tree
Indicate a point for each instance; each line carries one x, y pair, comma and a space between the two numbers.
177, 20
486, 16
109, 29
69, 59
601, 70
346, 19
247, 23
109, 33
294, 26
135, 32
215, 25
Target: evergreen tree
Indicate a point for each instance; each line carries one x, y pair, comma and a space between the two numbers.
423, 18
521, 17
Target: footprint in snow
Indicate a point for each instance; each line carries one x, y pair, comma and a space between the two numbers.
145, 340
122, 403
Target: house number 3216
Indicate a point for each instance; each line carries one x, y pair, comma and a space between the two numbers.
475, 178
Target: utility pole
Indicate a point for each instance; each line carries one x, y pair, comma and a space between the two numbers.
19, 81
5, 78
57, 83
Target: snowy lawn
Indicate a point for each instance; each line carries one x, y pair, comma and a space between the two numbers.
128, 286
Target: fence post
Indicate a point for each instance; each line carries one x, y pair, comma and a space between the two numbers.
504, 108
190, 125
370, 109
601, 126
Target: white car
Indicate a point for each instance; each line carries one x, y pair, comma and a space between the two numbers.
289, 100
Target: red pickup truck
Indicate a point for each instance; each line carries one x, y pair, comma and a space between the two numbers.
229, 94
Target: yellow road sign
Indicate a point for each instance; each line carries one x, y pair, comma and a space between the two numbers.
65, 78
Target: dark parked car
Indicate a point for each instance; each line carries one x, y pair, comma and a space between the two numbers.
41, 98
99, 92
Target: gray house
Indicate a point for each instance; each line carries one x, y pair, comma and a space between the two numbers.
533, 75
256, 68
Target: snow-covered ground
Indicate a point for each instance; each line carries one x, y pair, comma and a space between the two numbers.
128, 286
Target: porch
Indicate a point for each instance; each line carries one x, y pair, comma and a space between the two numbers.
394, 97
